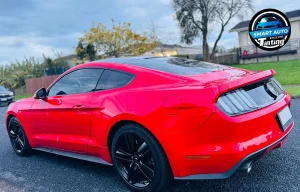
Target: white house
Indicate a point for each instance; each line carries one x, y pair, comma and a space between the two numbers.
289, 52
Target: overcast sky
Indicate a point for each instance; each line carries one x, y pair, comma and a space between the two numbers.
33, 27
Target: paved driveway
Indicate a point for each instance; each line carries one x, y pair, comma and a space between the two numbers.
278, 171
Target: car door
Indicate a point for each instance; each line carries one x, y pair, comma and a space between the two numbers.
63, 120
106, 104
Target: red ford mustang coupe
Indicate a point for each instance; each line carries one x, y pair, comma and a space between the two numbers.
155, 119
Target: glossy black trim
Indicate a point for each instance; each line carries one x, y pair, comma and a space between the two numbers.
132, 78
250, 86
231, 171
67, 73
74, 155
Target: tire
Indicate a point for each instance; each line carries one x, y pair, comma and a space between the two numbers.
18, 138
141, 164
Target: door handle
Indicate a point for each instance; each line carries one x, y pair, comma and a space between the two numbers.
79, 107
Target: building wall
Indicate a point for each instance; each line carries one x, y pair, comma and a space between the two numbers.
189, 51
295, 25
244, 39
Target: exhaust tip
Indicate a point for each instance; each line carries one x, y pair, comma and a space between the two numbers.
249, 169
246, 167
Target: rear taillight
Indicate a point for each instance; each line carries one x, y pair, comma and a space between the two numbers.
250, 97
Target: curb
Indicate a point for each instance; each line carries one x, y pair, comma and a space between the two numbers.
295, 97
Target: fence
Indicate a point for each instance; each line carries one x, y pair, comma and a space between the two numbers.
226, 58
32, 85
20, 91
253, 54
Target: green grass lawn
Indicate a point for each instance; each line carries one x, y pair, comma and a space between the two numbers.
287, 72
294, 91
18, 97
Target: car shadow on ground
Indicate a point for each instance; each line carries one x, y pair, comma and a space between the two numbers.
262, 173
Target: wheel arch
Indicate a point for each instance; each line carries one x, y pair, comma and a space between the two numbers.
119, 124
115, 127
9, 117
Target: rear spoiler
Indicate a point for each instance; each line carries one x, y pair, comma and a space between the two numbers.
235, 83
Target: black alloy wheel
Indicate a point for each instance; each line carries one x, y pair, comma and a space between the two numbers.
139, 159
135, 160
18, 138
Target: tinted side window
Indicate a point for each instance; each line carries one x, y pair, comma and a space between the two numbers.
79, 81
113, 79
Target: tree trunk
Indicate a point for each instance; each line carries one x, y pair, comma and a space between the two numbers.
205, 48
216, 43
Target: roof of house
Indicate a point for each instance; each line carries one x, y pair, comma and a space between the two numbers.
245, 24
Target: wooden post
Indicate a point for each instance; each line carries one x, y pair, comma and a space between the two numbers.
256, 52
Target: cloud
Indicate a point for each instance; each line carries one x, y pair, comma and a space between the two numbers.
284, 6
167, 2
34, 27
20, 46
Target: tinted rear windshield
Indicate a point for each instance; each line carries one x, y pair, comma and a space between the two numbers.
178, 66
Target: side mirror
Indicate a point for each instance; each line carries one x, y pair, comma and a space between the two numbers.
41, 94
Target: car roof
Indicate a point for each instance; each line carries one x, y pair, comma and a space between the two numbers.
173, 65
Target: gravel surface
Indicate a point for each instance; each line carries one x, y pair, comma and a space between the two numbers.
277, 171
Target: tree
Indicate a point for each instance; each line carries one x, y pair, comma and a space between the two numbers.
85, 52
118, 41
164, 37
227, 10
90, 52
58, 62
220, 49
233, 49
194, 17
80, 50
15, 73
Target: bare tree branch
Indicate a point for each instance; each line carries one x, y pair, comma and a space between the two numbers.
194, 16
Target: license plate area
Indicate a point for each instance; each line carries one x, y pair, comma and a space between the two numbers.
284, 118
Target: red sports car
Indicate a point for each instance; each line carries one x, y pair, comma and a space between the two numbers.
155, 119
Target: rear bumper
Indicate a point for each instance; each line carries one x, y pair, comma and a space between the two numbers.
217, 148
251, 157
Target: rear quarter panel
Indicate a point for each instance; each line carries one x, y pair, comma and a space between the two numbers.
149, 107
